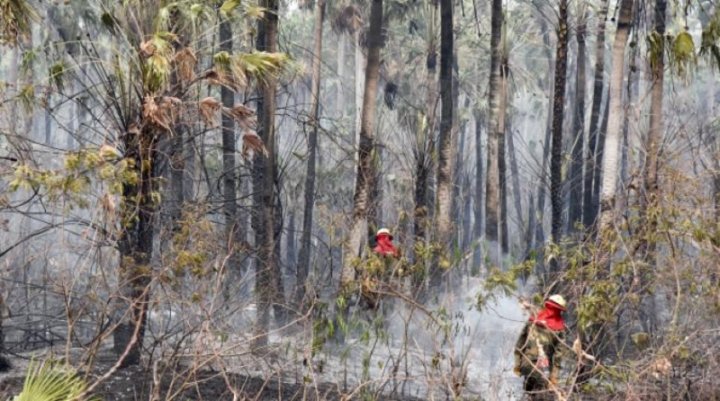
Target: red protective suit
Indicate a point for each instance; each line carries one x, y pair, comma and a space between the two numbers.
550, 317
385, 246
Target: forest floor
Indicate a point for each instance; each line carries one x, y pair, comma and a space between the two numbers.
136, 384
411, 364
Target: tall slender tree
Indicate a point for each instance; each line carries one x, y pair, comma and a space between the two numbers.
502, 154
227, 97
590, 208
556, 181
492, 182
366, 168
304, 261
426, 137
615, 113
650, 199
515, 176
479, 188
267, 274
446, 152
578, 130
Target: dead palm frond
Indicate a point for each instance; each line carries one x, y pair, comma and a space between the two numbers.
208, 110
185, 61
244, 116
349, 20
157, 53
252, 144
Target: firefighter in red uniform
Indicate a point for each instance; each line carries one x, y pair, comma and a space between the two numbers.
384, 245
539, 348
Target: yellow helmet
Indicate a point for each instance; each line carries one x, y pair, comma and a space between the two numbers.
559, 300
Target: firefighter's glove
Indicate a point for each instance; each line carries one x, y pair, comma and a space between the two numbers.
516, 370
542, 363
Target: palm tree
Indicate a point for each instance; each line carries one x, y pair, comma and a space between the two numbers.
366, 171
614, 121
268, 285
556, 181
304, 259
446, 152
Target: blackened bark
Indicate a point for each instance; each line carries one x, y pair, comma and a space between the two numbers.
228, 151
576, 163
556, 180
446, 153
492, 183
135, 246
267, 267
366, 171
610, 157
592, 161
515, 175
502, 168
5, 364
303, 266
478, 206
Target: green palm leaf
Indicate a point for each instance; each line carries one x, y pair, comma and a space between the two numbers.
51, 381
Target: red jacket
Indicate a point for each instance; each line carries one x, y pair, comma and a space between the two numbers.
550, 317
385, 246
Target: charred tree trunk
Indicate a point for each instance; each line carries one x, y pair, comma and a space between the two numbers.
304, 262
614, 120
650, 200
543, 184
576, 163
135, 245
556, 179
366, 171
446, 152
492, 183
5, 364
478, 199
425, 141
502, 159
266, 263
228, 148
590, 206
515, 173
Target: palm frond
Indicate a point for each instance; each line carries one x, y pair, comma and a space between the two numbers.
682, 54
51, 381
234, 71
157, 52
252, 144
209, 107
